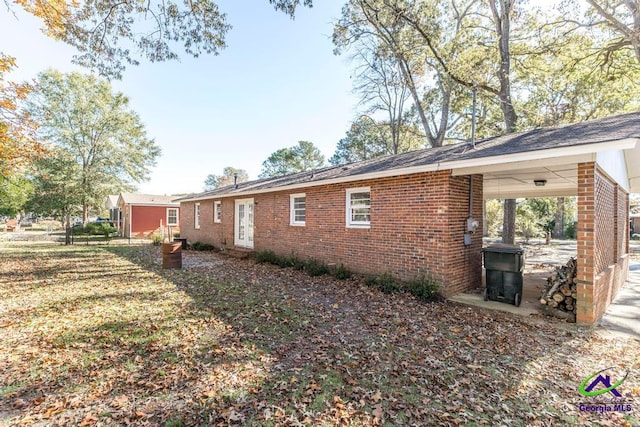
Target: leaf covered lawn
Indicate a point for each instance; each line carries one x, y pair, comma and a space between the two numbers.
97, 335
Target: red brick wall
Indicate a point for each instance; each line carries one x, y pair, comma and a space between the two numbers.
464, 262
210, 231
586, 243
417, 226
602, 242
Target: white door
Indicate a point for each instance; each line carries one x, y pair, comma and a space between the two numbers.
243, 230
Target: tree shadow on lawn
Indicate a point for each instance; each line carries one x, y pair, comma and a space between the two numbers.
45, 261
239, 343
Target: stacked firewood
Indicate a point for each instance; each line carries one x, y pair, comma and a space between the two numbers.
560, 292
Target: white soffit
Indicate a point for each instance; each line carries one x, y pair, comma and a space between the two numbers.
632, 158
561, 180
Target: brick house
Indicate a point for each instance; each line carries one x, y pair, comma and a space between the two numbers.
143, 215
422, 211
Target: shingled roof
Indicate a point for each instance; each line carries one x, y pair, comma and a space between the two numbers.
609, 129
148, 199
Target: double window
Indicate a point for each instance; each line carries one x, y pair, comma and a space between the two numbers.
217, 211
359, 207
298, 209
172, 216
196, 218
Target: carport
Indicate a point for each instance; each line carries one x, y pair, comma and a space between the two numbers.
597, 161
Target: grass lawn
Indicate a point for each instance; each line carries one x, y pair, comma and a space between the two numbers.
101, 335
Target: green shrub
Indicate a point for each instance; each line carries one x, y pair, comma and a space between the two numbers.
265, 257
315, 267
283, 261
156, 240
370, 281
386, 283
95, 229
296, 262
202, 246
570, 231
424, 287
100, 228
341, 272
174, 422
635, 236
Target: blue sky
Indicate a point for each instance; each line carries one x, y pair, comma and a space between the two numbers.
277, 82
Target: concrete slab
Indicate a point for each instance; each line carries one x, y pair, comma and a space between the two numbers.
540, 260
622, 318
527, 307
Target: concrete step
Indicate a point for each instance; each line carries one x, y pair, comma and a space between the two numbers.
239, 253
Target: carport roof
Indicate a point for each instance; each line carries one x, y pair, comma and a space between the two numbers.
541, 148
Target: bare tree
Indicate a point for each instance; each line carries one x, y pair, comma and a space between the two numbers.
364, 19
382, 88
622, 17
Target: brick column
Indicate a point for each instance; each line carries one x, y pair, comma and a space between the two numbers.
586, 243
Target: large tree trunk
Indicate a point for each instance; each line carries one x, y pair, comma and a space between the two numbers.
509, 223
67, 234
501, 10
558, 231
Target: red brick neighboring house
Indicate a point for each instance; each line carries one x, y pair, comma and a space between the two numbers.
422, 211
144, 215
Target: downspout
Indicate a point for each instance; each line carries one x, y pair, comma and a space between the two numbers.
130, 221
470, 196
470, 220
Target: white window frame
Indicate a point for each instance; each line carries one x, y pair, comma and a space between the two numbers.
292, 213
177, 218
349, 222
217, 204
196, 216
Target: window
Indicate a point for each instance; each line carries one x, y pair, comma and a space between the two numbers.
217, 211
359, 207
172, 216
298, 207
196, 219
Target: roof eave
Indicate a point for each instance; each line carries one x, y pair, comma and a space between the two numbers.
470, 166
171, 204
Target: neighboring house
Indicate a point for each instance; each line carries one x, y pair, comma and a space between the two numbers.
421, 211
144, 215
115, 214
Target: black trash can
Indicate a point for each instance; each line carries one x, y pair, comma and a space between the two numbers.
504, 266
